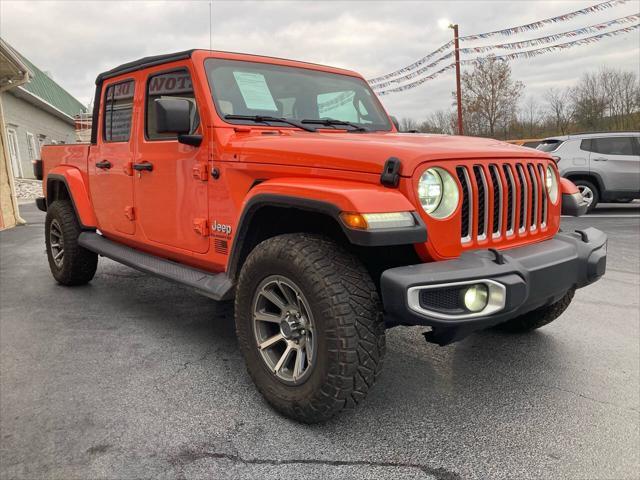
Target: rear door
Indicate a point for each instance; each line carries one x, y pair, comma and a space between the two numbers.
171, 198
110, 175
617, 161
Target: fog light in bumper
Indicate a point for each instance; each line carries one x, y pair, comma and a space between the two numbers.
476, 297
458, 300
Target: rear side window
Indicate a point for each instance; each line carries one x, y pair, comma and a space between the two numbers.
613, 146
549, 145
118, 110
176, 84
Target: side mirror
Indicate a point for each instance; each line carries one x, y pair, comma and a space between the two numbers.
173, 115
395, 122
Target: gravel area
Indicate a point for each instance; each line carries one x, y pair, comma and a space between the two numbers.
28, 189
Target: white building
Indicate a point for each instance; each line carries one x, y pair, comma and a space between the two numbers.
36, 113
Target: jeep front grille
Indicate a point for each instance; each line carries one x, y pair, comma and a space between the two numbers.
502, 200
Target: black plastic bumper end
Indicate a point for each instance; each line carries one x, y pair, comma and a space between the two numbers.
573, 204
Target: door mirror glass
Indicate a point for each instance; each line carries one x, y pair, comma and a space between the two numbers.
395, 122
173, 115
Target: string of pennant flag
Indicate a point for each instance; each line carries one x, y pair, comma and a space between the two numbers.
421, 65
552, 38
513, 56
547, 21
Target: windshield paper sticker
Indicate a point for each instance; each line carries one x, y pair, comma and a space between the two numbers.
255, 91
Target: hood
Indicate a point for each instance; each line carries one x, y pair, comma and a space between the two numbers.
367, 152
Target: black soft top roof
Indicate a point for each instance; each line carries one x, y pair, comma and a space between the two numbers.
143, 63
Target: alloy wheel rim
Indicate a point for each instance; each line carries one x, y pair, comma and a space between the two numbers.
284, 330
56, 243
587, 193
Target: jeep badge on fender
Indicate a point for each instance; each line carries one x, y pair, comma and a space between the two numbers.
342, 227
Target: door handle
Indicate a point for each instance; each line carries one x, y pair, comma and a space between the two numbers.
600, 159
104, 164
143, 166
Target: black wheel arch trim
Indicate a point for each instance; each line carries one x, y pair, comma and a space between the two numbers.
60, 178
388, 237
586, 173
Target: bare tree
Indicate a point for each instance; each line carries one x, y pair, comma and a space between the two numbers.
590, 101
408, 124
490, 97
440, 121
560, 108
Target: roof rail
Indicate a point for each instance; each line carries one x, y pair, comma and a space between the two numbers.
604, 131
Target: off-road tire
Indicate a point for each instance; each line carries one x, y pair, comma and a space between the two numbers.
593, 188
78, 264
538, 318
348, 322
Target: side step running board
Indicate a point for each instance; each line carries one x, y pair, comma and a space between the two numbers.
214, 285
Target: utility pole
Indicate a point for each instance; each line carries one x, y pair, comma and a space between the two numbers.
456, 45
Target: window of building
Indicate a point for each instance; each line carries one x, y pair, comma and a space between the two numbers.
176, 84
32, 149
118, 110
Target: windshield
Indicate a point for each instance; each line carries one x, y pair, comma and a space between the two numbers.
299, 94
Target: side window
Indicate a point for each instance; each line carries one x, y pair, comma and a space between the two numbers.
613, 145
585, 145
176, 84
118, 109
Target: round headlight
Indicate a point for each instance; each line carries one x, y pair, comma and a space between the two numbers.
552, 184
438, 192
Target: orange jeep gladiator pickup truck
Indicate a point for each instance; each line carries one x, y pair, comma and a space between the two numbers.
286, 186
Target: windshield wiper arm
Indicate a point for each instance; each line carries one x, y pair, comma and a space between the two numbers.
332, 122
267, 119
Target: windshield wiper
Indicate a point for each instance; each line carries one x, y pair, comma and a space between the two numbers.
267, 119
332, 122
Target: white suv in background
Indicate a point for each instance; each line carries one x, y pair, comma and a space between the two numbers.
604, 166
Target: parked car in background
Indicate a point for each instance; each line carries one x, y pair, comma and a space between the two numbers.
526, 142
604, 166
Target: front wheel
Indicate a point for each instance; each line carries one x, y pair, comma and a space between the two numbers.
589, 192
309, 325
539, 317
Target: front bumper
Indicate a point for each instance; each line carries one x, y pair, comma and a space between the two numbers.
532, 276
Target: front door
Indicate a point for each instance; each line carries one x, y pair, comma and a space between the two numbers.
171, 196
14, 153
110, 173
617, 160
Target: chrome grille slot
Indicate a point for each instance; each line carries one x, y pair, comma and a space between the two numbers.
483, 201
498, 200
511, 199
545, 198
467, 204
523, 198
533, 220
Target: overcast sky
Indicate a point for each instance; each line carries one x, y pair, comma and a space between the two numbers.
74, 40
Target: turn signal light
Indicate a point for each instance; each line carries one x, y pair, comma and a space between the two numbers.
377, 221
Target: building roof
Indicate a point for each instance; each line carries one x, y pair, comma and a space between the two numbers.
45, 88
13, 71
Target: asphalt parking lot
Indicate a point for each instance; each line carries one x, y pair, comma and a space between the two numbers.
133, 377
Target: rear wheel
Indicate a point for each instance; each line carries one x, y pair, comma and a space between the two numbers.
589, 192
309, 325
539, 317
70, 263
